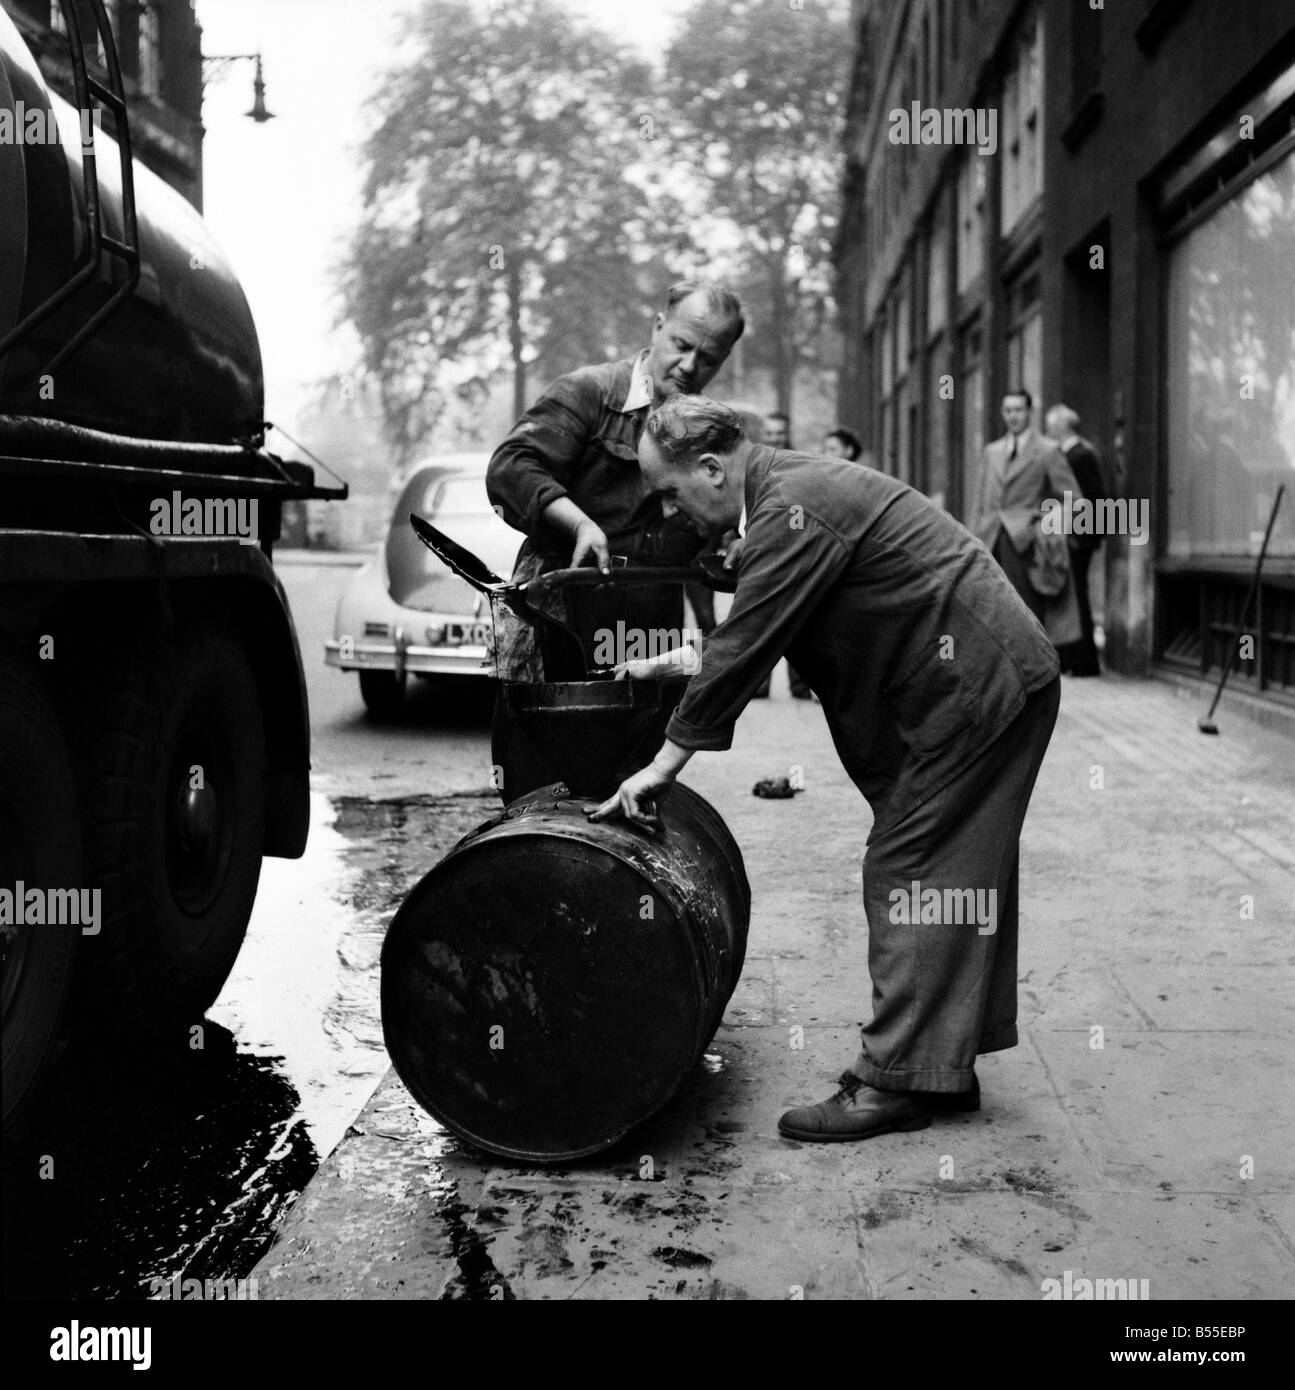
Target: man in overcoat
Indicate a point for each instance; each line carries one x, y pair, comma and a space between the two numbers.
1018, 472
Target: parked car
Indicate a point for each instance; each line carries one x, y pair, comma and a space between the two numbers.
404, 613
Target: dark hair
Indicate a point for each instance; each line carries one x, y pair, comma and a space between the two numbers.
718, 300
852, 442
1021, 391
778, 415
685, 427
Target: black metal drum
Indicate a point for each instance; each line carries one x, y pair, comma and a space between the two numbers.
549, 984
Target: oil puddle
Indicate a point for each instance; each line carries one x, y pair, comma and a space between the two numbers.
142, 1164
304, 991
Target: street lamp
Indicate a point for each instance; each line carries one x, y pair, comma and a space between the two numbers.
216, 65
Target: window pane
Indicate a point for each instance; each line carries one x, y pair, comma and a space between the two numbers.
937, 421
459, 497
973, 436
150, 51
903, 318
971, 195
1230, 356
937, 277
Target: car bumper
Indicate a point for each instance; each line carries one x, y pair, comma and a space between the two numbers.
414, 660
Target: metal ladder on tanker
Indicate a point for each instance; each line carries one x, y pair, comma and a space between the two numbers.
98, 243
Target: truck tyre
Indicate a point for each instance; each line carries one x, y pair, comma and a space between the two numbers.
40, 845
176, 826
383, 693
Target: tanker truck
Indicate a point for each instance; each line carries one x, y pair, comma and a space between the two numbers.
154, 735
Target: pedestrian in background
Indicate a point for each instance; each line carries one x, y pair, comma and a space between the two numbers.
777, 430
842, 444
1062, 424
1019, 471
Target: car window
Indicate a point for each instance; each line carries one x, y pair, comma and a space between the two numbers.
457, 497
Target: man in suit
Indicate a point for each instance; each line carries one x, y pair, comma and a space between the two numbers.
1019, 471
1079, 658
940, 690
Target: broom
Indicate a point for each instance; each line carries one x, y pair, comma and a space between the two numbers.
1207, 724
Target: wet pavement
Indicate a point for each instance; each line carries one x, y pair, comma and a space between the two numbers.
285, 1149
183, 1163
141, 1165
1141, 1129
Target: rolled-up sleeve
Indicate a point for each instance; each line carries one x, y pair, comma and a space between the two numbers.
790, 560
534, 464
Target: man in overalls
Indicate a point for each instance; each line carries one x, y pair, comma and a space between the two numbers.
567, 476
940, 689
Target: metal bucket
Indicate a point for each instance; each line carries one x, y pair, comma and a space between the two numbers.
549, 984
589, 735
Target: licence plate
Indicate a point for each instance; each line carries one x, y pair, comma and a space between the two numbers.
467, 634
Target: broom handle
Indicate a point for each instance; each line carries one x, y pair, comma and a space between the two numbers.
1250, 598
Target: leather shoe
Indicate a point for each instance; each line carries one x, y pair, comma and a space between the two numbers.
944, 1102
856, 1111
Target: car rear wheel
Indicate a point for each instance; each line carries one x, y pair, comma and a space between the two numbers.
383, 693
40, 846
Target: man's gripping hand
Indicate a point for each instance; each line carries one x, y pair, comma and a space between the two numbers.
636, 799
590, 546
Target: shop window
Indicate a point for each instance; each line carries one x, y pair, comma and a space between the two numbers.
1230, 362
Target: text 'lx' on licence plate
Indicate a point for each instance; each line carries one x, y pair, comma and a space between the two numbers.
467, 634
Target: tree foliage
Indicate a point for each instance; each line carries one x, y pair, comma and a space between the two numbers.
756, 91
530, 190
500, 224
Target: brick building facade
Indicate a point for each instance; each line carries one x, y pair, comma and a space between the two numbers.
1126, 244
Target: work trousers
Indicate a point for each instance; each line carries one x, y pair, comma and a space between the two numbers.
944, 990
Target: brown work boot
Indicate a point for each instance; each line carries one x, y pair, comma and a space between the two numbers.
856, 1111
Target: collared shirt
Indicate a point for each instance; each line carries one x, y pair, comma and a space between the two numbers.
904, 626
580, 440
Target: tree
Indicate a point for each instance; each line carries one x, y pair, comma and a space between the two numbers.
757, 119
501, 224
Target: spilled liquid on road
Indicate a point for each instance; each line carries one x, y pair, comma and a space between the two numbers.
147, 1162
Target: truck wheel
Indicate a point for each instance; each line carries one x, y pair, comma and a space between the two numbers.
177, 822
383, 693
40, 845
